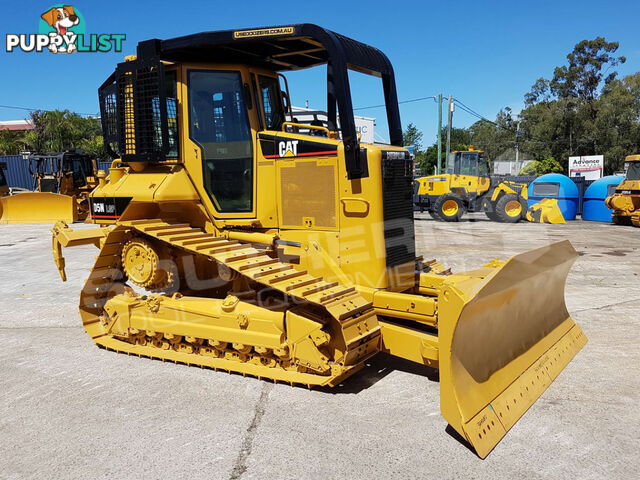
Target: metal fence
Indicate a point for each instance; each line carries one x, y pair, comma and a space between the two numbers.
516, 178
17, 171
582, 185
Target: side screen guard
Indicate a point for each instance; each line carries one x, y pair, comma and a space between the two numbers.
133, 109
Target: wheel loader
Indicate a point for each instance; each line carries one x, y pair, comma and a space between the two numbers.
62, 182
231, 237
467, 187
625, 201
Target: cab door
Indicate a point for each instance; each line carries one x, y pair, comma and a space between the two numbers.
220, 144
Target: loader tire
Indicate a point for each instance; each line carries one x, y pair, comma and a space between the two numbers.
432, 214
449, 208
509, 208
492, 216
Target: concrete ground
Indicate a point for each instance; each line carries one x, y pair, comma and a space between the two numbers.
71, 410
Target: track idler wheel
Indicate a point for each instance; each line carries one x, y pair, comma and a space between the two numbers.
148, 266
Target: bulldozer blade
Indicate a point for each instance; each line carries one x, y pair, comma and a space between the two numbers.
510, 337
38, 207
546, 211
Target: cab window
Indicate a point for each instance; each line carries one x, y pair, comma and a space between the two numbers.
219, 124
270, 95
79, 169
453, 163
633, 172
483, 166
468, 163
171, 95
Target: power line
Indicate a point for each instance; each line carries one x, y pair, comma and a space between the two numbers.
460, 104
41, 109
433, 97
471, 111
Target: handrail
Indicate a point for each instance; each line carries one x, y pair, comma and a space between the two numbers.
304, 125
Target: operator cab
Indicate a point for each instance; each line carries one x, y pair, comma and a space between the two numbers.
77, 165
48, 169
470, 162
219, 102
633, 170
252, 165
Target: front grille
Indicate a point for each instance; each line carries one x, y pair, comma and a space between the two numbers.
397, 202
49, 185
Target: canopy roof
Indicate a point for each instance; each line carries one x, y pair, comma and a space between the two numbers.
294, 47
281, 48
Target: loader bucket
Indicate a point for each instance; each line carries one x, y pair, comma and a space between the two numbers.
545, 211
503, 340
38, 207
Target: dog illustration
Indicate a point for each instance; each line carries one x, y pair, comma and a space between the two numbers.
61, 18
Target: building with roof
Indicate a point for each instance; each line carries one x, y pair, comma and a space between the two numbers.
16, 125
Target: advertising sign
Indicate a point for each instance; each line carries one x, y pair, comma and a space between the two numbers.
589, 166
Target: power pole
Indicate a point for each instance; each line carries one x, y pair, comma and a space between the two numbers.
439, 133
517, 143
450, 118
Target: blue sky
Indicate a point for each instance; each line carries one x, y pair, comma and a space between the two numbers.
487, 54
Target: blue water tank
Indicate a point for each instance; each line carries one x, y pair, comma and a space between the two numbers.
560, 187
593, 207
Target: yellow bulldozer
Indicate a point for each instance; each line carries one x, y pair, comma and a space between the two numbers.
466, 186
62, 182
234, 238
625, 202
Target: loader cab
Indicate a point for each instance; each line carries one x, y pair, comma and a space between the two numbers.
470, 163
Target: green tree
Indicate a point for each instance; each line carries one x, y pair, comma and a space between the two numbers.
589, 66
12, 142
540, 167
57, 130
562, 115
460, 138
617, 125
412, 137
429, 159
494, 137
